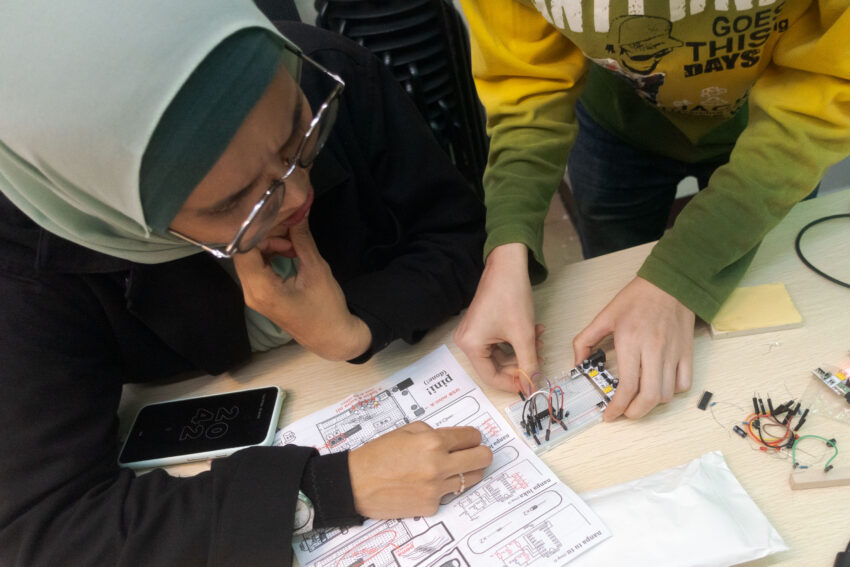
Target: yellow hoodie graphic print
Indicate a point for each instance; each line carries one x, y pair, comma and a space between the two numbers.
674, 53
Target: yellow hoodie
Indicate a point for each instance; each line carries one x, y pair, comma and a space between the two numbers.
688, 79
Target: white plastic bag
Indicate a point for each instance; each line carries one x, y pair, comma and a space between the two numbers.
697, 514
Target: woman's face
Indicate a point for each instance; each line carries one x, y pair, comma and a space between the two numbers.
255, 157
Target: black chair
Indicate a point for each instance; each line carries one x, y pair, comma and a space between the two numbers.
279, 10
425, 45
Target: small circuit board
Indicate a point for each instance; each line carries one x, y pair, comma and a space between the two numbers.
564, 405
593, 368
836, 380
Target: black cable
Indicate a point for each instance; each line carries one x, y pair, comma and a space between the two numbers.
803, 258
843, 558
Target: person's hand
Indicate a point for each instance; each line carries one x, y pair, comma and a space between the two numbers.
502, 312
310, 306
406, 472
654, 338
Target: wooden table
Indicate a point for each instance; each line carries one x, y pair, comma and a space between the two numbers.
814, 523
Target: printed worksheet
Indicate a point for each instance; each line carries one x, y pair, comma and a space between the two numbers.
519, 514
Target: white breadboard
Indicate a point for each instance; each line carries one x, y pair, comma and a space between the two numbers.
587, 391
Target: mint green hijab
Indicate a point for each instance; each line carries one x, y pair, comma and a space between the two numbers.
89, 99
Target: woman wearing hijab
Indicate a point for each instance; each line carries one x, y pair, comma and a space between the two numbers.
173, 197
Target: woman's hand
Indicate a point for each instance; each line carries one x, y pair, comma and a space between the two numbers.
502, 312
406, 472
310, 306
654, 337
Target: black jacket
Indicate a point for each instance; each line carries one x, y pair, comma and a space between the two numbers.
402, 233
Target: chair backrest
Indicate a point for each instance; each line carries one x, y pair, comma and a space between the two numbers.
425, 45
279, 9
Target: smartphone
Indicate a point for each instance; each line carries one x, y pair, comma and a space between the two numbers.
205, 427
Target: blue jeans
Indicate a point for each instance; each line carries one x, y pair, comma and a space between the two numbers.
623, 194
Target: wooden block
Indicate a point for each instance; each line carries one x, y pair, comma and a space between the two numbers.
801, 479
756, 309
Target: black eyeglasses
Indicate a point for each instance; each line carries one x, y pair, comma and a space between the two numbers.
262, 216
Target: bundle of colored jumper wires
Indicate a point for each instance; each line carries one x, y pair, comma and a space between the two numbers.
564, 405
767, 426
533, 417
784, 435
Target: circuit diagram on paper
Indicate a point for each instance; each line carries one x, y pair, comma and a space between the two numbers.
518, 515
370, 417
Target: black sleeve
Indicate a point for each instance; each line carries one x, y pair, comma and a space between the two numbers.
440, 217
64, 500
327, 484
436, 262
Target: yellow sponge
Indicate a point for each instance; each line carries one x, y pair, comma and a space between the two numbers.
756, 309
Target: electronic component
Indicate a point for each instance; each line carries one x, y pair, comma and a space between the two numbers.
593, 368
783, 408
564, 405
703, 401
836, 380
782, 431
802, 420
791, 414
829, 443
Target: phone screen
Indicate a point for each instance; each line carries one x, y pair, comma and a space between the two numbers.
200, 425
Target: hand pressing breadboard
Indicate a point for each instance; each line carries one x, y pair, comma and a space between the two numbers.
756, 309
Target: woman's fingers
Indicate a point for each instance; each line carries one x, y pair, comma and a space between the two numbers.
466, 460
466, 453
407, 471
457, 438
259, 283
457, 485
249, 263
310, 304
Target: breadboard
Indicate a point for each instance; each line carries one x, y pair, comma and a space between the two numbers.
587, 390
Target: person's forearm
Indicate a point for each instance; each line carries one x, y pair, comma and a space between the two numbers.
511, 258
502, 312
530, 117
799, 124
241, 512
525, 167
